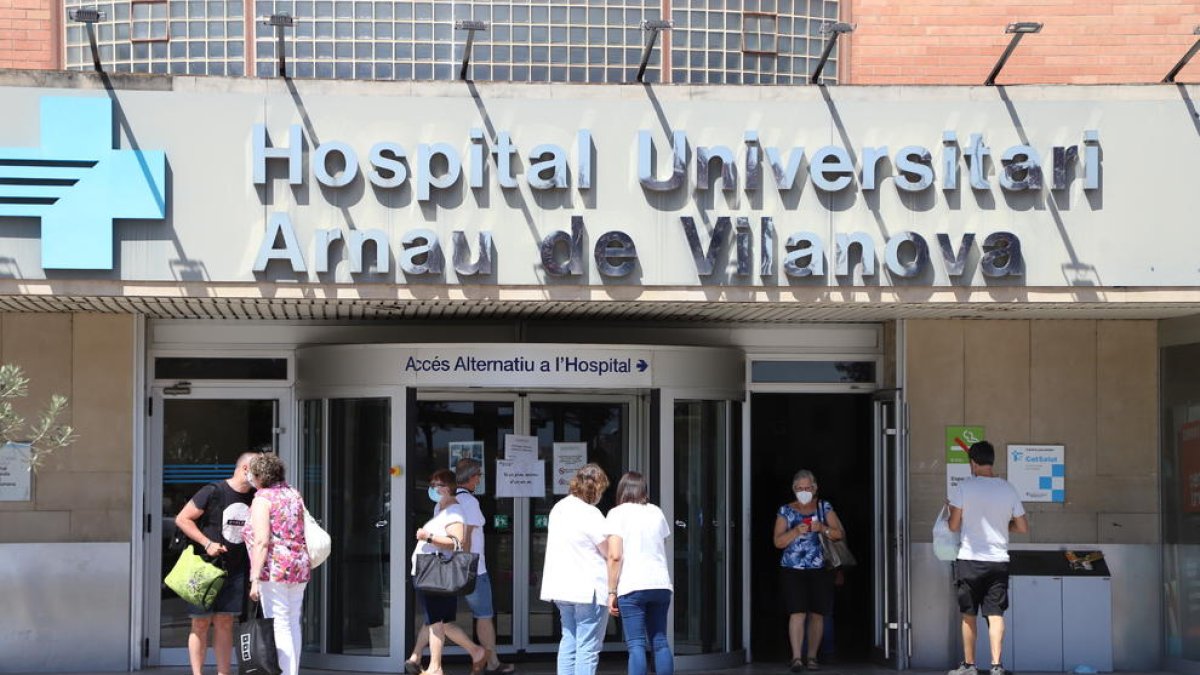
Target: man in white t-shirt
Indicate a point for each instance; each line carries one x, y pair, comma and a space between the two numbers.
468, 473
984, 508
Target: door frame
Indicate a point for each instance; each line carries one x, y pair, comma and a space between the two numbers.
637, 440
154, 654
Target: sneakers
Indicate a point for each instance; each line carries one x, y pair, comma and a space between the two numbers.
998, 669
965, 669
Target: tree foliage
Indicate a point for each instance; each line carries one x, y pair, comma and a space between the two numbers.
44, 436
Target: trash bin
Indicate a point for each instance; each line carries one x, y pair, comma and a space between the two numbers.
1059, 615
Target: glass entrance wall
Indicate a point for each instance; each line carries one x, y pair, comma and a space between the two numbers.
201, 441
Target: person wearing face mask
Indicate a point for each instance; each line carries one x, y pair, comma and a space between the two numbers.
213, 519
575, 572
440, 534
807, 585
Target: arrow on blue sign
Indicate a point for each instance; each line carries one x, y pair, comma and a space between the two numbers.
642, 365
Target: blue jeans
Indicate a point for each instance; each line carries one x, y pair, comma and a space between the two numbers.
583, 625
644, 616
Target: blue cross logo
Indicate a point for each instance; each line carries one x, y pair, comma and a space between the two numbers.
77, 183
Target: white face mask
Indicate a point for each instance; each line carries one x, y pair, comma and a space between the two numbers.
804, 496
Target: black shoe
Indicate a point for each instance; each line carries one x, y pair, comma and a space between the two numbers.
964, 669
413, 668
797, 666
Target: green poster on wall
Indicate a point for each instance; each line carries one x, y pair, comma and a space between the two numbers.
958, 440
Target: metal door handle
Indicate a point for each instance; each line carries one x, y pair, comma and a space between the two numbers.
681, 525
380, 524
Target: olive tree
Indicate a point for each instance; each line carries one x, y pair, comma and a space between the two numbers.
41, 438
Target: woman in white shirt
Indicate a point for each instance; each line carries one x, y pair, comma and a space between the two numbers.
639, 583
439, 535
573, 576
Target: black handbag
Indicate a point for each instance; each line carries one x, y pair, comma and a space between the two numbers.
447, 574
256, 654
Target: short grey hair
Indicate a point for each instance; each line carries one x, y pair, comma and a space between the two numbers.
465, 469
804, 473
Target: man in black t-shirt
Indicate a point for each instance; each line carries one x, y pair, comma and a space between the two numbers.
213, 520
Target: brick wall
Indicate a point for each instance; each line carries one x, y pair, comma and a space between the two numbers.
30, 34
959, 41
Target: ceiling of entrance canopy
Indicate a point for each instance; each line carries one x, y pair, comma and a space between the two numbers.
677, 311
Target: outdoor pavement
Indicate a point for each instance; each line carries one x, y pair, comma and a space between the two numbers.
614, 666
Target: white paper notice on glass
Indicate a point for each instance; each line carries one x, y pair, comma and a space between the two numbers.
568, 459
520, 448
470, 450
14, 472
520, 479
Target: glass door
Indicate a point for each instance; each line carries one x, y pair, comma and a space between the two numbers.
891, 639
199, 435
441, 431
346, 449
602, 427
705, 476
444, 427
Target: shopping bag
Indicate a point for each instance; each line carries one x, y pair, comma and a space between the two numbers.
836, 552
195, 579
945, 542
256, 653
447, 574
317, 540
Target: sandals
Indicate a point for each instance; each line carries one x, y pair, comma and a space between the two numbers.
477, 667
502, 669
812, 663
413, 667
797, 666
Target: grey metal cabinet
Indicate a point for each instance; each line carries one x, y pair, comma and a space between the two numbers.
1058, 617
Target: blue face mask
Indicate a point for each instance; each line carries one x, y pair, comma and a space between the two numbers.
434, 495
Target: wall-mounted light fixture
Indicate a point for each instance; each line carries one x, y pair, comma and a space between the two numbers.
471, 27
834, 31
279, 22
653, 27
89, 17
1170, 78
1017, 30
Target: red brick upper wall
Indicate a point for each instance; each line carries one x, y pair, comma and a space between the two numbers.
959, 41
28, 34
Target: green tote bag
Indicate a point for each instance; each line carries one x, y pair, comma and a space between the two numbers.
195, 580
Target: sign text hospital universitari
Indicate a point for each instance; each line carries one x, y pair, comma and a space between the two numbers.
440, 166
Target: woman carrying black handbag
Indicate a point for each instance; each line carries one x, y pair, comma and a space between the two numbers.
444, 533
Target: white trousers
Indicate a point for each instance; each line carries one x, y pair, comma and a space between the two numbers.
285, 603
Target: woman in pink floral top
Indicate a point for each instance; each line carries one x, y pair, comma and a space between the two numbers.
279, 565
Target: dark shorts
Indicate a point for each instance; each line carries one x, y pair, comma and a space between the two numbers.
807, 591
982, 586
231, 599
438, 607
